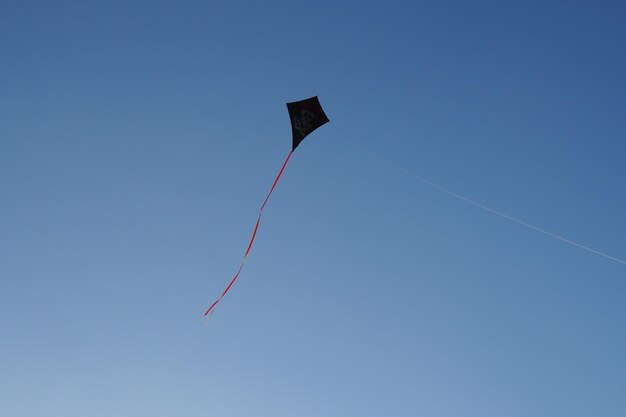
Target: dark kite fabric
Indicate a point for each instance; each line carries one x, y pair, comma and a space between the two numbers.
306, 116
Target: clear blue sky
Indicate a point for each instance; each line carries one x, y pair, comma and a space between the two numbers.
138, 139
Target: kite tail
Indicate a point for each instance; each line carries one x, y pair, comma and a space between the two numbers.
256, 227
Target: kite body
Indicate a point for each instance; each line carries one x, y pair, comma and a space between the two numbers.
306, 116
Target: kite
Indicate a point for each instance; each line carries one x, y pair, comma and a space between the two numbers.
306, 116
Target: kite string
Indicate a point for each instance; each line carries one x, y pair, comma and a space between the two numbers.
474, 203
256, 227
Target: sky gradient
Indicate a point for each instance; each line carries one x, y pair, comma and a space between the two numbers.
138, 140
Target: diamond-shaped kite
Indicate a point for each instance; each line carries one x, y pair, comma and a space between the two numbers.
306, 116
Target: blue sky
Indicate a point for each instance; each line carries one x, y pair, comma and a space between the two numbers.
138, 140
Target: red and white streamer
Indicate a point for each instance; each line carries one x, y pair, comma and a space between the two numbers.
211, 309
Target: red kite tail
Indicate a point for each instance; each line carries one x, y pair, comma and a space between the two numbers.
256, 227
